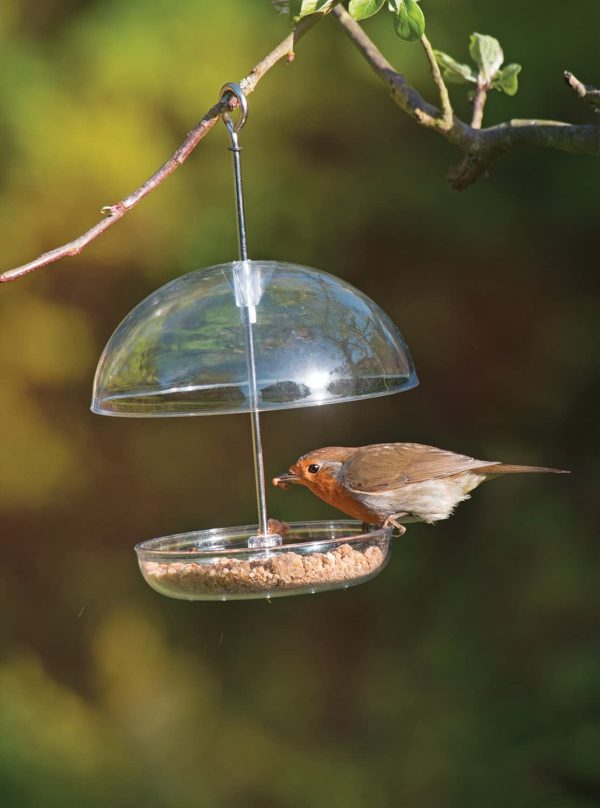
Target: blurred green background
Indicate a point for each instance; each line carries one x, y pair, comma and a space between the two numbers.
468, 673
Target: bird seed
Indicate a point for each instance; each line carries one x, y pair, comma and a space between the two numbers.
267, 573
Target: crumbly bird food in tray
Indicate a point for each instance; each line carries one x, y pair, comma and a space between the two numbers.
271, 573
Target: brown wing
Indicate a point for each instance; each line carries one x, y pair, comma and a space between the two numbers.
384, 466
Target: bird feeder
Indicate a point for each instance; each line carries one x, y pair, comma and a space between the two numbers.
246, 337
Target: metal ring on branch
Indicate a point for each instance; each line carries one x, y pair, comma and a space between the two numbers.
231, 88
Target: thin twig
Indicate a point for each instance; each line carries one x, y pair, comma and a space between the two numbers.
586, 91
113, 213
403, 94
481, 146
446, 104
481, 94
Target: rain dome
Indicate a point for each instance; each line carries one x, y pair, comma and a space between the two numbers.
317, 340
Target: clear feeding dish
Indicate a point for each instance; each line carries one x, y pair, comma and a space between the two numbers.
218, 564
317, 340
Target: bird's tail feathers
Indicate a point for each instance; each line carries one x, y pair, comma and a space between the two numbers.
505, 468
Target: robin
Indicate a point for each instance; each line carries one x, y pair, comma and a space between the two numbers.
390, 483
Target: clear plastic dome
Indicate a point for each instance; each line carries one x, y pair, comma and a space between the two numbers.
182, 350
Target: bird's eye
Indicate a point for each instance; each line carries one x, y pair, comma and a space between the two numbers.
313, 468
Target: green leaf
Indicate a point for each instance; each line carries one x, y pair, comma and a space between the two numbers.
361, 9
409, 20
507, 79
303, 8
487, 54
454, 71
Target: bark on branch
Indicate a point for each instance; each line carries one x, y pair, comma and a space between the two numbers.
586, 91
481, 146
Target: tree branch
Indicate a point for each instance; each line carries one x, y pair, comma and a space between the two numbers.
403, 94
481, 146
586, 91
481, 94
446, 104
113, 213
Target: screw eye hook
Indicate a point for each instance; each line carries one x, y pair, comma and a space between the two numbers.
231, 88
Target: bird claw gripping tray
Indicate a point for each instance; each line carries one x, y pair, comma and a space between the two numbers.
246, 337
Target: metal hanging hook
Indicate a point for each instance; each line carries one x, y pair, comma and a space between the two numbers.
231, 88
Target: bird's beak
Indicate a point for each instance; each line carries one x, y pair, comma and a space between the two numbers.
284, 480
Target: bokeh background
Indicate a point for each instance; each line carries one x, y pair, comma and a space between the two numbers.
468, 673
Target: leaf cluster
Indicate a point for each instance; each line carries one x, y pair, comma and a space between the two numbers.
409, 23
488, 56
409, 20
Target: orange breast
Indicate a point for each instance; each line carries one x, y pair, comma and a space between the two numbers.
334, 494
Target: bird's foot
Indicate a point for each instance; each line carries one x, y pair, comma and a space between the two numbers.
393, 521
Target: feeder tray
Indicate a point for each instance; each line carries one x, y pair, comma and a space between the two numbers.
219, 565
249, 336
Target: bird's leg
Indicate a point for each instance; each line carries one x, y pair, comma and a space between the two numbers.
392, 520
